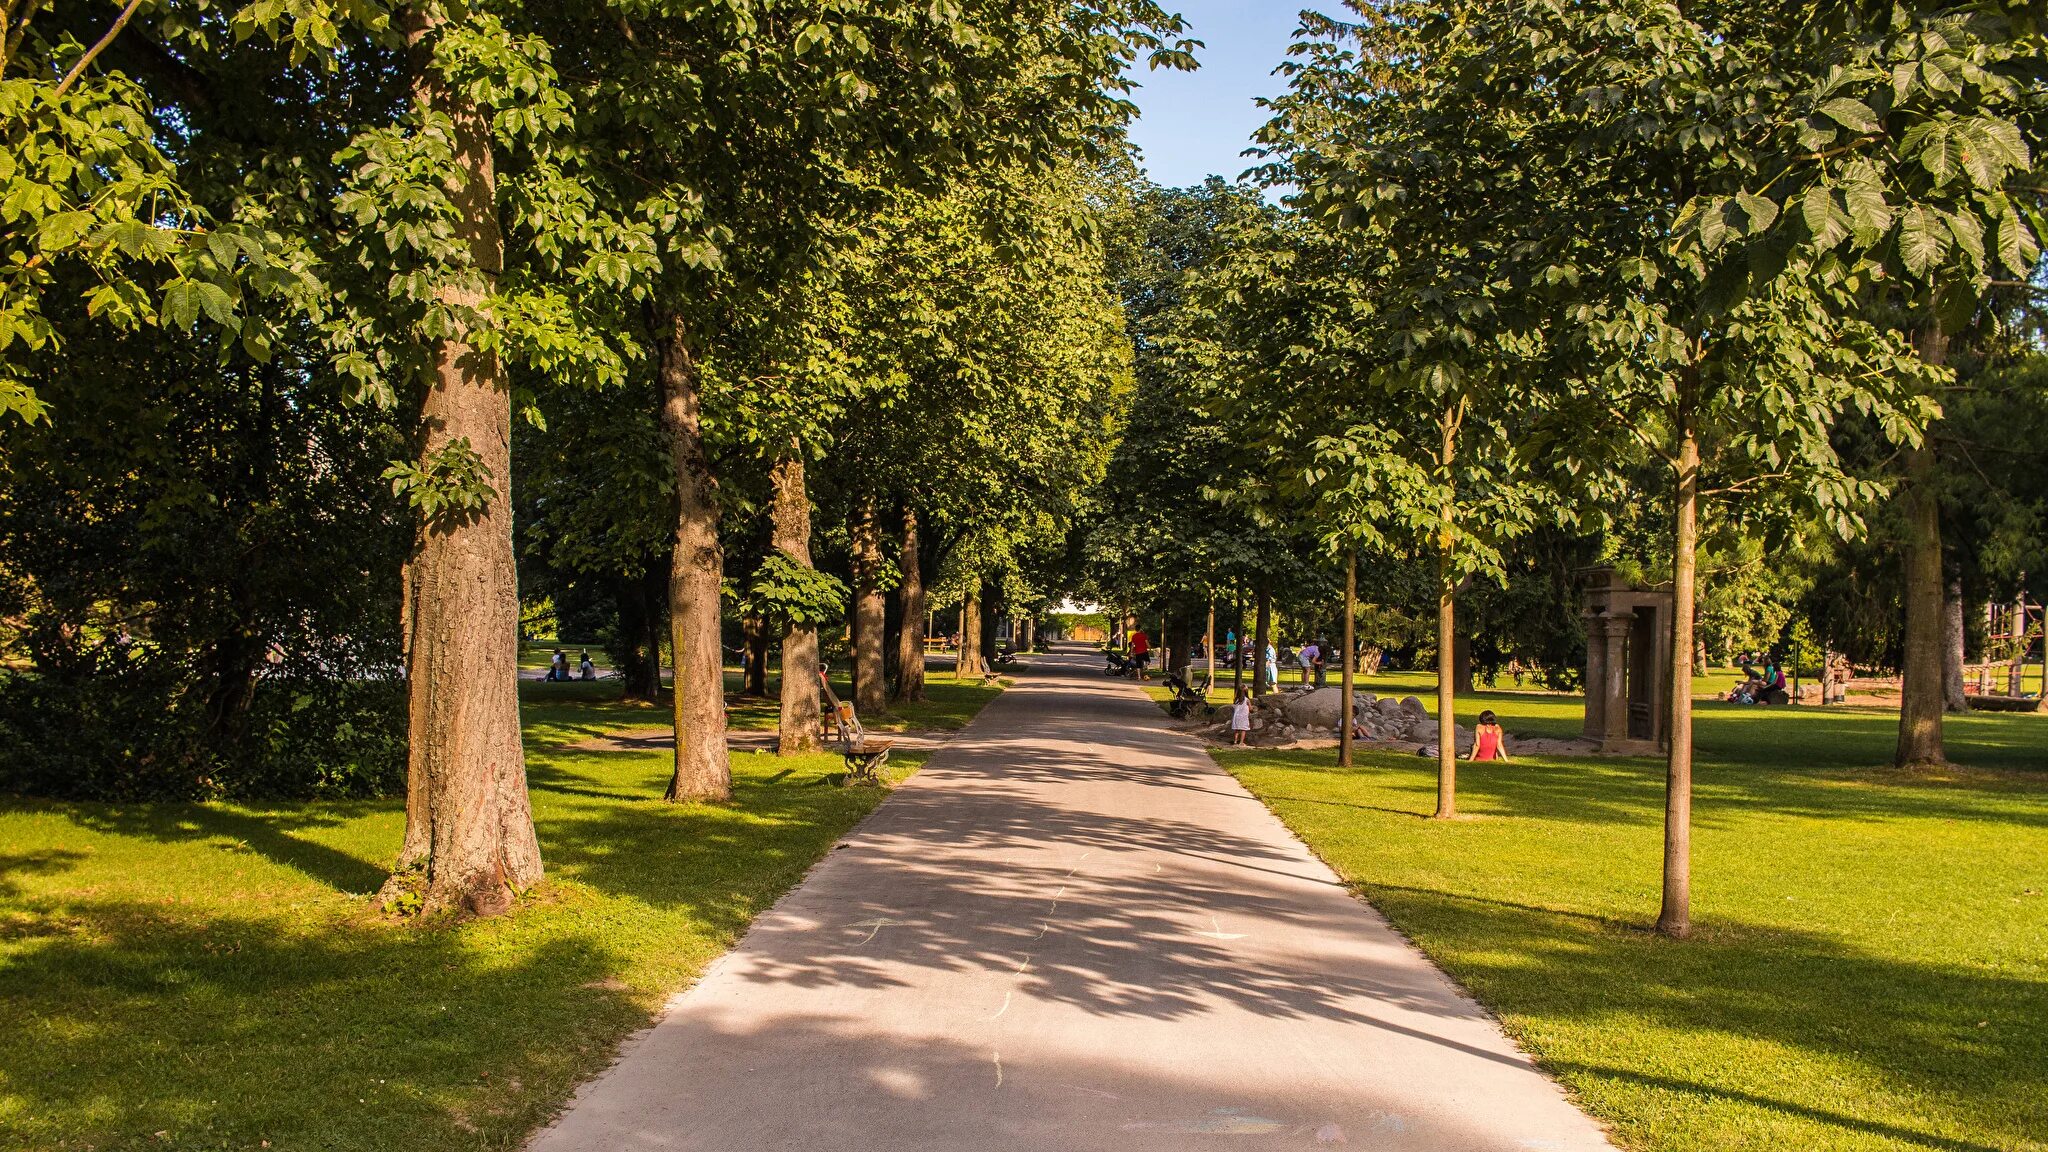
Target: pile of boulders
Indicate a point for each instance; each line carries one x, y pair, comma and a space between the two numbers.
1302, 715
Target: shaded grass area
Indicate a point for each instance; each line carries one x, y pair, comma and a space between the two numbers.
213, 976
1871, 966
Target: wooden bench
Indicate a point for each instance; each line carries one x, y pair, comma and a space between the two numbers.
864, 754
992, 665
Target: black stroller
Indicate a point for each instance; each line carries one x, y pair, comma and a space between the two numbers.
1187, 699
1119, 664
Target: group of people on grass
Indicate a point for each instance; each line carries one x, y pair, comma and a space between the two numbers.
558, 668
1765, 687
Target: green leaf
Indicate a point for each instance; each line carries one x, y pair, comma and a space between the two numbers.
1852, 114
62, 230
1870, 217
2017, 247
1762, 212
1923, 240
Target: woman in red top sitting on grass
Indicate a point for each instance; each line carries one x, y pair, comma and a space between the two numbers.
1488, 741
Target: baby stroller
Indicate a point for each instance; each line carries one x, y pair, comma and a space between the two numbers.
1187, 698
1119, 664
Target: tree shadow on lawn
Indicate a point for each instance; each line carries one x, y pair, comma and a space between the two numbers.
1935, 1077
266, 832
40, 862
345, 1034
602, 822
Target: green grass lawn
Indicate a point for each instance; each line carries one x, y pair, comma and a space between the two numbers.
1871, 964
213, 976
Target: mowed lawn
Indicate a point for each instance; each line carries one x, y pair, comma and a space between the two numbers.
1870, 969
214, 976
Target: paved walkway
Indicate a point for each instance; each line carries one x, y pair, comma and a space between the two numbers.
1071, 932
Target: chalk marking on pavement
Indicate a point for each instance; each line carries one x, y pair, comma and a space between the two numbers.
1004, 1008
873, 926
1219, 933
998, 1056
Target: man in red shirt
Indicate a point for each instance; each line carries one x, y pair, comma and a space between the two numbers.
1141, 651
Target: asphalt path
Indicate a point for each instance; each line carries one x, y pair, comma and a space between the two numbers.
1072, 931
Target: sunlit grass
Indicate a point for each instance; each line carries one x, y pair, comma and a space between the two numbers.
215, 974
1871, 967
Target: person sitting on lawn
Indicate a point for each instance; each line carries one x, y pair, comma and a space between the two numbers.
558, 667
1488, 741
1241, 717
585, 670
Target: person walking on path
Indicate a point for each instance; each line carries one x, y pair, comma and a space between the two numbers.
1241, 718
1141, 652
1488, 741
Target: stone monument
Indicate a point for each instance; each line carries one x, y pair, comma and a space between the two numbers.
1628, 664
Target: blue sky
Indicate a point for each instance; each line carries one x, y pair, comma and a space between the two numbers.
1195, 124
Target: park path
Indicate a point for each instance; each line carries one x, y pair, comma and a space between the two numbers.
1071, 932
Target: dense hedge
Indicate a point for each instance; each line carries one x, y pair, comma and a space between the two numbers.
141, 737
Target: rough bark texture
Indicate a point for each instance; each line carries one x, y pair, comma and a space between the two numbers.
910, 646
1921, 698
1350, 670
1954, 691
468, 819
703, 765
1262, 635
790, 528
870, 612
1675, 918
969, 663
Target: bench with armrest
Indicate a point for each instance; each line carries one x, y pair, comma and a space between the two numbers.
864, 754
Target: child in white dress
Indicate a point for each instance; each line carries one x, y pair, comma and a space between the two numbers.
1241, 717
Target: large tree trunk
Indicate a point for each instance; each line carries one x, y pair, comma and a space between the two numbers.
790, 526
870, 612
469, 823
703, 765
1345, 716
1447, 632
910, 649
754, 666
1953, 690
969, 662
1922, 697
1262, 638
1675, 917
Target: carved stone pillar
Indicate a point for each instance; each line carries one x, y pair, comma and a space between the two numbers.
1614, 709
1596, 677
